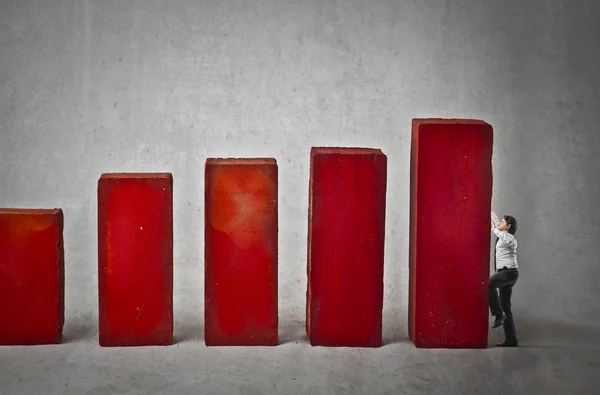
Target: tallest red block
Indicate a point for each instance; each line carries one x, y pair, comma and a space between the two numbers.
450, 203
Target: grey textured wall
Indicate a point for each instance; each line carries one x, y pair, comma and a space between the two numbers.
94, 86
97, 86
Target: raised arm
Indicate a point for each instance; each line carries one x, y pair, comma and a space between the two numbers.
506, 237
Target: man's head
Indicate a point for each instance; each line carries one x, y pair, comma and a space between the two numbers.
508, 224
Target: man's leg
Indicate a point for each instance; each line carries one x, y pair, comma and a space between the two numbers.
497, 280
509, 323
494, 302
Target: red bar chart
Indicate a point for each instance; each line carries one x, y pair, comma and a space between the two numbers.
346, 234
135, 259
241, 235
31, 276
450, 203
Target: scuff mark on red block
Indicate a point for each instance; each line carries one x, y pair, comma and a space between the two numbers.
241, 252
135, 259
450, 203
31, 276
346, 234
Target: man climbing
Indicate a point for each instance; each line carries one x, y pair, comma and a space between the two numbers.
504, 279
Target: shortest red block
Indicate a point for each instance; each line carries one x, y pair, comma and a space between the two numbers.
31, 276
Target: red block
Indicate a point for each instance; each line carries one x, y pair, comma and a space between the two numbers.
32, 276
240, 258
450, 204
135, 259
346, 233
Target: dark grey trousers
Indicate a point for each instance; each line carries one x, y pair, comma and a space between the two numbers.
503, 281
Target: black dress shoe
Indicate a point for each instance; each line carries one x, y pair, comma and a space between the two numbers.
499, 321
508, 343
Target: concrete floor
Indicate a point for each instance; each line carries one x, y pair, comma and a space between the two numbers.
554, 358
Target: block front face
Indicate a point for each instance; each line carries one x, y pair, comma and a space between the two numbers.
31, 276
451, 190
135, 259
241, 252
346, 236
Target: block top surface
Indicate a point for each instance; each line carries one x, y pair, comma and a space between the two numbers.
241, 161
344, 150
112, 176
446, 121
29, 211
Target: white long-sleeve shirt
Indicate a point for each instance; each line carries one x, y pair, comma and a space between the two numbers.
506, 250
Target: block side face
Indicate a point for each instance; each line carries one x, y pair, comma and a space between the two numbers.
141, 176
241, 239
452, 263
345, 151
241, 161
309, 247
414, 158
135, 261
448, 121
348, 229
59, 228
31, 301
30, 211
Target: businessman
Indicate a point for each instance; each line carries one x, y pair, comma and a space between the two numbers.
502, 282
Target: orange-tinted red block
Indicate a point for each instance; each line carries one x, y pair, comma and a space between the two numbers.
31, 276
450, 204
240, 269
346, 234
135, 259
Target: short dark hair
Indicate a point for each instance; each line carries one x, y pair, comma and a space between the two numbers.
512, 221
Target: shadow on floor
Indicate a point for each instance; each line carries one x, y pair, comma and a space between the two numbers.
78, 331
396, 340
542, 333
292, 331
188, 332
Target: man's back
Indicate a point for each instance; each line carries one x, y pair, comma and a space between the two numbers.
506, 250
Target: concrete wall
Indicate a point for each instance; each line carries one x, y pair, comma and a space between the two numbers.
88, 87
